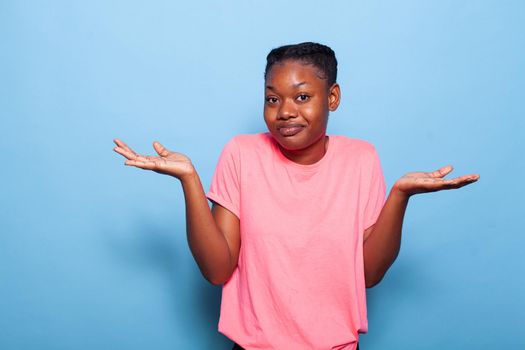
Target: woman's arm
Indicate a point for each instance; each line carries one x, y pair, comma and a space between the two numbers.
382, 240
213, 236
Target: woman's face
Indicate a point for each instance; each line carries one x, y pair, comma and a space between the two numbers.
297, 103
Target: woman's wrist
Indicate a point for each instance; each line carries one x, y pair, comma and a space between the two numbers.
399, 195
189, 177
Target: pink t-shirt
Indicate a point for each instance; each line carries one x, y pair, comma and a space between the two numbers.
300, 282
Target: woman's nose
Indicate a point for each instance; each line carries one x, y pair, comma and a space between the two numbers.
287, 110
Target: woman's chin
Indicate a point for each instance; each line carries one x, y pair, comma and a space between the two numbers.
290, 143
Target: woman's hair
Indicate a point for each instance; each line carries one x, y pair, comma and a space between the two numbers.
320, 56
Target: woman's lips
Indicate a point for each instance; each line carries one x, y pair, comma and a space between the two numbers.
290, 130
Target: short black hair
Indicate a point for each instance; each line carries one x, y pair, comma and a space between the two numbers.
318, 55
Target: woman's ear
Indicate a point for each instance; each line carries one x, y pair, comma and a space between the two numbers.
334, 97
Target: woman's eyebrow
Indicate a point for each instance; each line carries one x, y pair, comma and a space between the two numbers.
296, 85
299, 84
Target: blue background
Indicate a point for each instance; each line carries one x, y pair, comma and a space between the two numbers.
93, 255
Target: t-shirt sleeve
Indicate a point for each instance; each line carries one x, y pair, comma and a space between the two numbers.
376, 193
225, 184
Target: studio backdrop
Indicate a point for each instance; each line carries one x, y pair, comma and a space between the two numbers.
93, 254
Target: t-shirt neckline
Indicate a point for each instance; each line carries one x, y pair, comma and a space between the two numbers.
304, 167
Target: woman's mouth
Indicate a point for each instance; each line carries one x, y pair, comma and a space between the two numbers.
290, 130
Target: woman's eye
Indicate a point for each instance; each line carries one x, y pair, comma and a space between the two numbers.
271, 99
303, 97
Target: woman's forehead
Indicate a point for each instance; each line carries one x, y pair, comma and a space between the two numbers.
294, 72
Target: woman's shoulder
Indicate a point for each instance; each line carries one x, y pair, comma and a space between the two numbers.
353, 144
247, 142
245, 139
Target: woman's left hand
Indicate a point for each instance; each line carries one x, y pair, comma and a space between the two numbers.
421, 182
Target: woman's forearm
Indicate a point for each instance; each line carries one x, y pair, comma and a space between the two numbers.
207, 243
381, 247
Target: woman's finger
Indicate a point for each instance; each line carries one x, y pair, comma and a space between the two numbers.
466, 178
148, 165
442, 172
457, 182
123, 145
160, 149
143, 158
126, 153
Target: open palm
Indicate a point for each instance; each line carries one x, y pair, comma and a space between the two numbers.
167, 162
422, 182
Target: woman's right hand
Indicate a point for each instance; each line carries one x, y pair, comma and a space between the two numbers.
167, 162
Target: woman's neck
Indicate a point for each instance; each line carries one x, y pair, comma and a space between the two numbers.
310, 155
